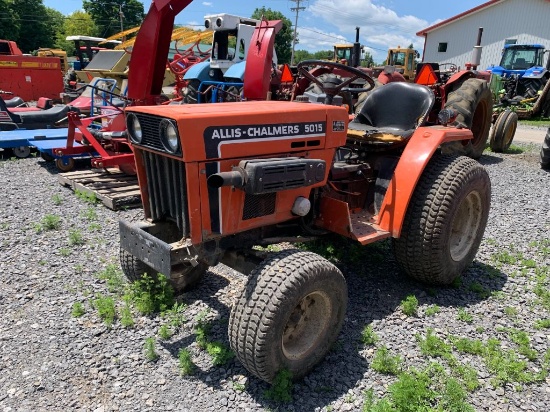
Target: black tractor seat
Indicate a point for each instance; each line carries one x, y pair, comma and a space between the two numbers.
44, 118
14, 102
392, 112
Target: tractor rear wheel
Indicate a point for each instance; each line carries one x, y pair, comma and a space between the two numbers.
545, 152
504, 130
473, 102
192, 93
445, 220
289, 314
184, 280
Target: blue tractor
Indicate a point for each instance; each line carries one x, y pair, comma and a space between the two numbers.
520, 89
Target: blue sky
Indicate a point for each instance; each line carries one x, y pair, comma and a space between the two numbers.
383, 23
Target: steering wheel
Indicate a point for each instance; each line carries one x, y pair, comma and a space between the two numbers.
332, 89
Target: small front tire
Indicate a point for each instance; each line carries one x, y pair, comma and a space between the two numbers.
503, 132
289, 314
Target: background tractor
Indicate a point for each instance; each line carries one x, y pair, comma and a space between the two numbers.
219, 180
520, 88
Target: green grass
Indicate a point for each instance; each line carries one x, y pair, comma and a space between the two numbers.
152, 294
88, 197
105, 306
57, 199
185, 362
464, 316
386, 363
75, 237
542, 324
165, 332
78, 310
281, 388
219, 353
49, 222
150, 350
409, 305
64, 251
175, 315
368, 336
432, 310
432, 345
113, 278
466, 345
536, 121
126, 318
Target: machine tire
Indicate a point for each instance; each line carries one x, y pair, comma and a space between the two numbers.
291, 292
134, 269
473, 101
47, 157
231, 94
545, 152
64, 166
21, 152
192, 93
503, 132
363, 96
445, 220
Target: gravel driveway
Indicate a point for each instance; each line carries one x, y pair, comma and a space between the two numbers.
51, 360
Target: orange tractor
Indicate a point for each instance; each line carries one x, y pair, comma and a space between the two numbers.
219, 179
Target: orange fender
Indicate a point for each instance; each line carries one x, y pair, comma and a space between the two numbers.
418, 152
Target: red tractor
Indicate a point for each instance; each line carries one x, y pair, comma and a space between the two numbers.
219, 179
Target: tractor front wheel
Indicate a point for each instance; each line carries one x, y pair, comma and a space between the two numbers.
473, 102
289, 314
504, 130
445, 220
22, 152
193, 95
181, 281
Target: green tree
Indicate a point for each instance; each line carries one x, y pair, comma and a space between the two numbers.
9, 28
106, 15
323, 54
367, 61
283, 39
35, 24
301, 55
57, 21
77, 23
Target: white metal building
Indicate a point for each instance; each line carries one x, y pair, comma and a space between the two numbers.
503, 21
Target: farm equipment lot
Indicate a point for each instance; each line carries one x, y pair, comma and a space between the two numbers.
52, 360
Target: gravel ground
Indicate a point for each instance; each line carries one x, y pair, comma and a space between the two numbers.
53, 361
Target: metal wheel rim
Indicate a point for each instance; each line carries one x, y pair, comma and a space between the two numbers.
22, 151
465, 226
306, 325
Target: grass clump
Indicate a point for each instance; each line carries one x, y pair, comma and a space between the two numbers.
386, 363
75, 237
409, 305
88, 197
185, 362
432, 345
432, 310
49, 222
281, 387
105, 306
57, 199
368, 336
126, 318
464, 316
113, 278
165, 332
90, 214
542, 324
149, 349
219, 353
152, 294
77, 310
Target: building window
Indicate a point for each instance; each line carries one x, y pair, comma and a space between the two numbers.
442, 48
510, 41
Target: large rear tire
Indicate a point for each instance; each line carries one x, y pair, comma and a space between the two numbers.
473, 101
289, 314
503, 132
445, 220
545, 152
192, 93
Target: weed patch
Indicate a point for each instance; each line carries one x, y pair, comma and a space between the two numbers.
281, 388
409, 305
185, 362
386, 363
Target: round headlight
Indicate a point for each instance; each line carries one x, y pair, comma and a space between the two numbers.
134, 128
169, 136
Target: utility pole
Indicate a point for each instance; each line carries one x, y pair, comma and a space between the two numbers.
297, 9
121, 14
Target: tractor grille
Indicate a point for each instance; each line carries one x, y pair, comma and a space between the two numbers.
150, 126
258, 205
166, 184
